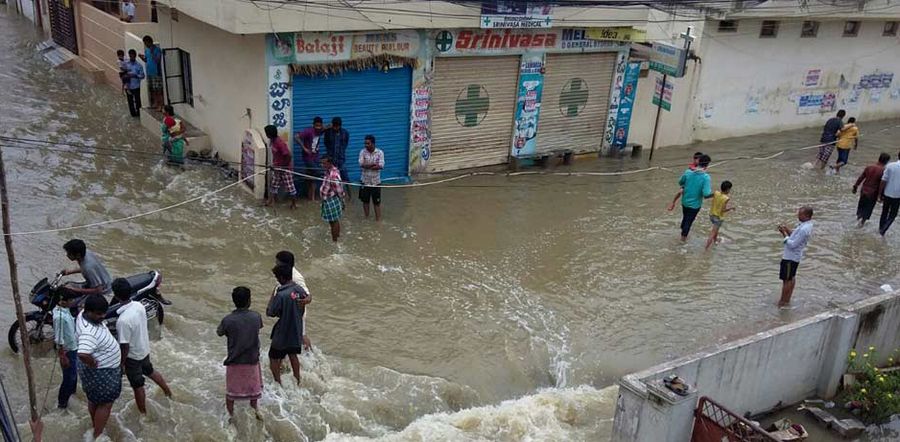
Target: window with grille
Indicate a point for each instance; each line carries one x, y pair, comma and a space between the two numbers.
851, 29
769, 29
810, 29
890, 29
177, 70
728, 26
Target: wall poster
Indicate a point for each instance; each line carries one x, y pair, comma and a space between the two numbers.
528, 104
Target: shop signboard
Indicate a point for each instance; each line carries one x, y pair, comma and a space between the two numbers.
499, 14
663, 99
626, 105
667, 59
528, 104
326, 47
618, 33
458, 42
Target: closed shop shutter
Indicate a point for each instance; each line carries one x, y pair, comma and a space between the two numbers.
575, 101
473, 106
368, 102
62, 24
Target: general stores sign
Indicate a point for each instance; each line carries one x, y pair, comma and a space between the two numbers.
513, 41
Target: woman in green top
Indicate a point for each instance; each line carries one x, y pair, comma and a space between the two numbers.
173, 139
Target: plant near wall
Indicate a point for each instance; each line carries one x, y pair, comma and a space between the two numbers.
876, 391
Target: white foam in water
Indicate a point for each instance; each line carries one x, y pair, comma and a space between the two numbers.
807, 165
581, 413
887, 288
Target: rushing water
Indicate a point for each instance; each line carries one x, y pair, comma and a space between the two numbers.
485, 309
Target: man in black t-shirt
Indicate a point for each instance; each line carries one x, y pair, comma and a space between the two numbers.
829, 137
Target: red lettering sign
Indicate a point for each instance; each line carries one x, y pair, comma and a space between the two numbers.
330, 47
506, 39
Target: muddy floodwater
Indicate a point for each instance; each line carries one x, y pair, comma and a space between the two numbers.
491, 308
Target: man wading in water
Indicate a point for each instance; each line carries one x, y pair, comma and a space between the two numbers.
795, 241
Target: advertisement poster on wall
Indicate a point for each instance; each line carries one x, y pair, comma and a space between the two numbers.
528, 104
816, 103
813, 76
666, 102
626, 105
498, 14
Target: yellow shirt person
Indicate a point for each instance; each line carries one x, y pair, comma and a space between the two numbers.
719, 200
847, 136
720, 206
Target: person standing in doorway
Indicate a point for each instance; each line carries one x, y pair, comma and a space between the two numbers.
99, 362
243, 375
870, 180
848, 138
152, 56
287, 304
332, 192
285, 258
371, 161
310, 140
282, 178
336, 141
128, 10
889, 192
721, 205
795, 241
829, 136
67, 347
134, 75
134, 344
696, 186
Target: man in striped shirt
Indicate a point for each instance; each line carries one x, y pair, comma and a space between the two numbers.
99, 362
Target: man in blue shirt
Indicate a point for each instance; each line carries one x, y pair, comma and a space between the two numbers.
134, 73
336, 141
695, 187
152, 56
794, 245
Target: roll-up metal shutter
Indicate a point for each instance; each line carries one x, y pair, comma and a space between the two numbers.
473, 107
575, 101
369, 102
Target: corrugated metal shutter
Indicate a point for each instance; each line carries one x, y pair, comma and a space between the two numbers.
575, 101
62, 24
473, 106
369, 102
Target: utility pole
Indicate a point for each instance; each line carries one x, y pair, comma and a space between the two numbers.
17, 300
688, 38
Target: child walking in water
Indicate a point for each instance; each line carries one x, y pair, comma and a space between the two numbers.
721, 205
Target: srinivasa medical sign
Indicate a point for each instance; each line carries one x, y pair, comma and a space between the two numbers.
511, 41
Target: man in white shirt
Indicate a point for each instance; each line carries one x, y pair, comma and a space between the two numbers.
134, 341
795, 241
287, 258
371, 161
889, 193
128, 11
99, 358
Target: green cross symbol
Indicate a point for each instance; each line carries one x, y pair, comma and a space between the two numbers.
471, 110
444, 41
487, 21
573, 98
548, 20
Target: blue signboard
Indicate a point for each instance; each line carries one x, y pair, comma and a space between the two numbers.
626, 104
528, 104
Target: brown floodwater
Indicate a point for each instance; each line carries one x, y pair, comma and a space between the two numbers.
490, 308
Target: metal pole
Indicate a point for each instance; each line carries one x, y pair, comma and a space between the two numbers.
662, 94
39, 17
17, 300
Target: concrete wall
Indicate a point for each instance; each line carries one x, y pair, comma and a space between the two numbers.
242, 17
229, 77
100, 35
766, 371
750, 85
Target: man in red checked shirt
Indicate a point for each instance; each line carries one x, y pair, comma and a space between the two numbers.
281, 162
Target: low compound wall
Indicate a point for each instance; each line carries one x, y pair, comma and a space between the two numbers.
766, 371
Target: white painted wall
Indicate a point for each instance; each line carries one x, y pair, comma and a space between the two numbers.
741, 68
766, 371
240, 16
229, 76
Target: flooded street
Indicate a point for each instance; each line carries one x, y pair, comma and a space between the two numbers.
490, 308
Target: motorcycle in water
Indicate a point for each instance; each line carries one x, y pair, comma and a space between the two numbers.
46, 294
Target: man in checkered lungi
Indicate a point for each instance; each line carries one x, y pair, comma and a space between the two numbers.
281, 162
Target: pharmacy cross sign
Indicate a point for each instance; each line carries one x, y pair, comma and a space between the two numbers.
444, 41
573, 97
472, 105
487, 21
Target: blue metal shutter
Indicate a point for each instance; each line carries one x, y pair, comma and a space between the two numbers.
369, 102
